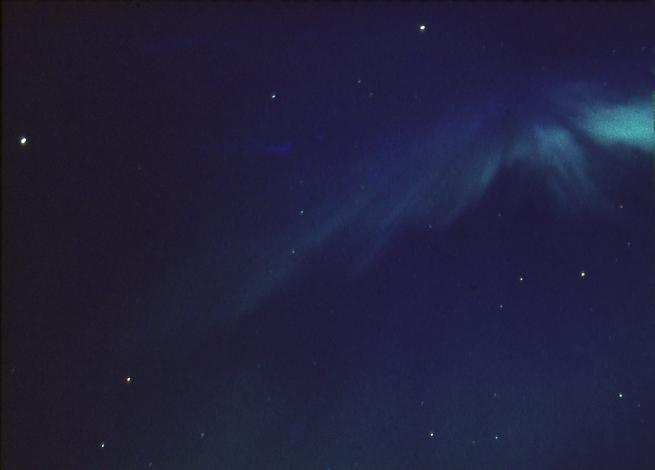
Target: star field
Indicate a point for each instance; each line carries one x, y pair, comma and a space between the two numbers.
330, 236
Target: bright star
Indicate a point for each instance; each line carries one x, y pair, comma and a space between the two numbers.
421, 28
23, 140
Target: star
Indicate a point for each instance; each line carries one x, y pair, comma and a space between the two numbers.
128, 380
422, 28
273, 96
583, 274
102, 444
23, 140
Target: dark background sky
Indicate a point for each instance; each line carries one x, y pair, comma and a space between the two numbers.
314, 236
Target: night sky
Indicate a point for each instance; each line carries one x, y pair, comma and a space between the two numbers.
328, 236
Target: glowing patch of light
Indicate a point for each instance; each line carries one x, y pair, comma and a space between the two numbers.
630, 125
